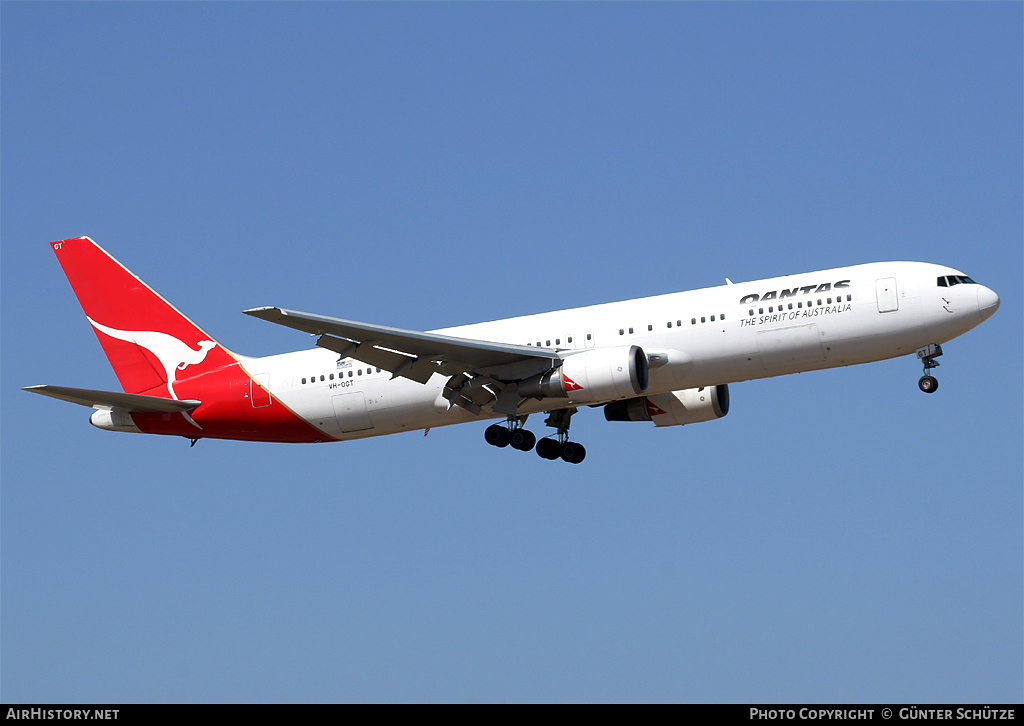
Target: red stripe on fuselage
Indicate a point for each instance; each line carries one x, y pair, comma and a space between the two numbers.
227, 412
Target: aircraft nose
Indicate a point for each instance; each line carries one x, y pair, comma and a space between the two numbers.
988, 302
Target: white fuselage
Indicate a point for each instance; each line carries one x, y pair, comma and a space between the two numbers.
706, 337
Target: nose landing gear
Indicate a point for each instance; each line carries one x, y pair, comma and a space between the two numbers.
928, 383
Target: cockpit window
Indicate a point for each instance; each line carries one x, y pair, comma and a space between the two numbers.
950, 280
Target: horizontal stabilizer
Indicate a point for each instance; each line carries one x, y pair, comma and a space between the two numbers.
111, 401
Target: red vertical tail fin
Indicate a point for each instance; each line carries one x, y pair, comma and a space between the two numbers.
148, 342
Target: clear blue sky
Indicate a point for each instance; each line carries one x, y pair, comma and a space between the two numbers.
839, 536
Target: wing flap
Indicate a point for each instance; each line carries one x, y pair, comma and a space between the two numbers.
112, 401
398, 364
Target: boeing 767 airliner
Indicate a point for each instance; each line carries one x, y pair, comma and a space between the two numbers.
666, 359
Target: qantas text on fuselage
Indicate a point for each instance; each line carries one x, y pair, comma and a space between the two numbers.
666, 359
792, 292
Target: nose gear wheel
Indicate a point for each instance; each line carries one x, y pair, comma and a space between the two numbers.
928, 383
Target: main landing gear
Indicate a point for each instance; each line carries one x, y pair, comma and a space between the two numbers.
560, 446
512, 432
928, 383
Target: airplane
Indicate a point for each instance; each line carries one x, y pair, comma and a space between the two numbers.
667, 359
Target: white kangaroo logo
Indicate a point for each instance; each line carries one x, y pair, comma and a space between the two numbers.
171, 352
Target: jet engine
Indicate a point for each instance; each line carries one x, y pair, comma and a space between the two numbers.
593, 376
691, 405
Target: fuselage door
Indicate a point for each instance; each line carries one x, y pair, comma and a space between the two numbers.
259, 390
885, 292
350, 410
791, 349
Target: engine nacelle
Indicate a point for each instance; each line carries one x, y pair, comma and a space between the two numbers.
691, 405
594, 376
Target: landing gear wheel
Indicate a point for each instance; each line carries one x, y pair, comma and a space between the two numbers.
927, 354
497, 435
572, 452
549, 449
522, 439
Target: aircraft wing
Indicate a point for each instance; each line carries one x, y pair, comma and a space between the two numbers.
479, 371
407, 353
111, 401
